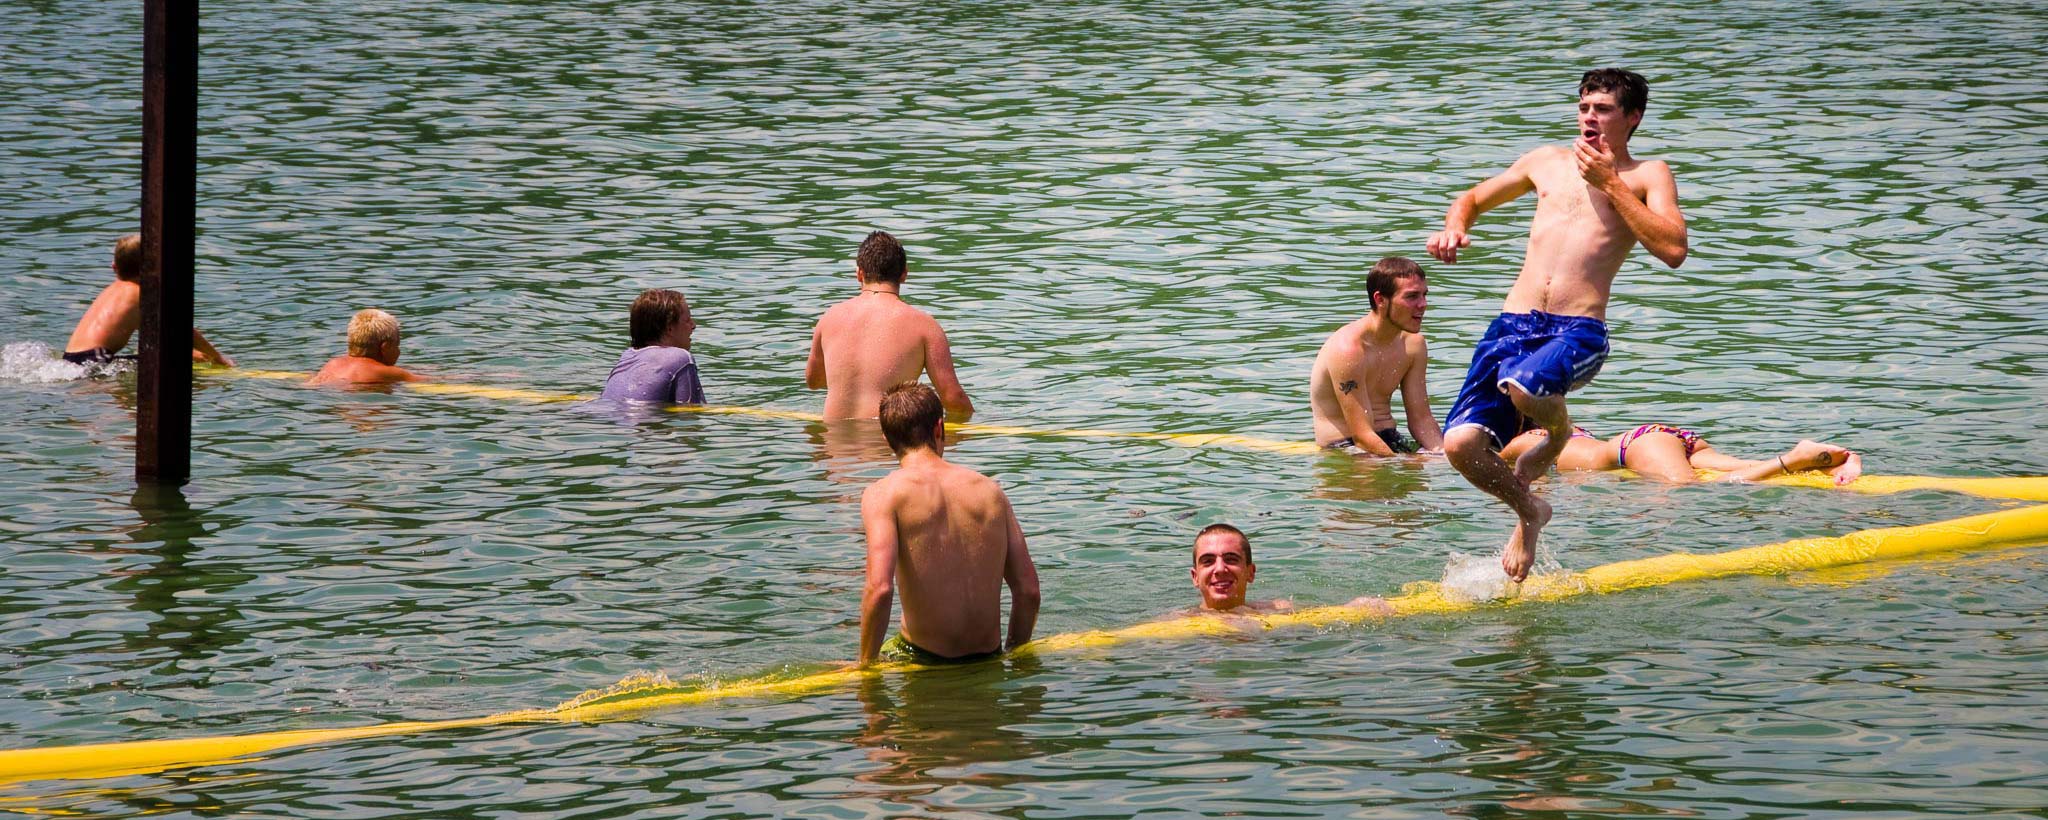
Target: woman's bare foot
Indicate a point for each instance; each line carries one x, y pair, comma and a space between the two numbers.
1813, 455
1848, 470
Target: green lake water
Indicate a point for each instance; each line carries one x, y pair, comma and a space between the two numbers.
1137, 215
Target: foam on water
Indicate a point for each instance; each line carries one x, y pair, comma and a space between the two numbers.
36, 363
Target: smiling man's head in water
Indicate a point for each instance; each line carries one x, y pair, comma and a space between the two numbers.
1223, 566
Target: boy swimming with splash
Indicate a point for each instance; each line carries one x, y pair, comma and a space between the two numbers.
116, 313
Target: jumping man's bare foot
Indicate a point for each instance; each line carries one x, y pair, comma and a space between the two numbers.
1521, 548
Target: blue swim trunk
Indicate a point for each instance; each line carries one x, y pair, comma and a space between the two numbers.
1544, 354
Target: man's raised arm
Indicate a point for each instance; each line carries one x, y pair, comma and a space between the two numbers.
878, 519
1022, 578
1483, 197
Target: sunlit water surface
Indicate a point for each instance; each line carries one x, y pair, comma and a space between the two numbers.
1139, 215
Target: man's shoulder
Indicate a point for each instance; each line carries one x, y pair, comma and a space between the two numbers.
887, 486
879, 491
910, 313
1343, 341
1650, 167
121, 293
663, 354
961, 472
907, 321
330, 370
838, 309
968, 479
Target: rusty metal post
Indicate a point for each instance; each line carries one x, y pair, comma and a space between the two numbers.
170, 156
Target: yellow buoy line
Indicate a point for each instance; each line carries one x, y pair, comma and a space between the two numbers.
479, 391
637, 695
2025, 488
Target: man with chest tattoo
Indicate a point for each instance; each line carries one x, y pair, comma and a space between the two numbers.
1594, 203
1351, 386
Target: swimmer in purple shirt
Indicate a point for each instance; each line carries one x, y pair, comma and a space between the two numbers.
658, 368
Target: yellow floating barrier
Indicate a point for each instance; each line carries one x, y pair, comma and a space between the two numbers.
479, 391
2027, 526
2026, 488
2022, 488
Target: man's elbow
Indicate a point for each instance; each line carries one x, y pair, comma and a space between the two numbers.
1024, 593
879, 595
1675, 251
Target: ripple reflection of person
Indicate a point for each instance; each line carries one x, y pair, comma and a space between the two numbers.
1369, 480
1534, 726
935, 724
851, 451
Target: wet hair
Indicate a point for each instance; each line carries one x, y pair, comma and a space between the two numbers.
1221, 527
881, 258
910, 417
128, 257
654, 313
369, 330
1629, 88
1386, 276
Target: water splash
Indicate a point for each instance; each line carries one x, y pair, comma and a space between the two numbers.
36, 363
1471, 578
633, 684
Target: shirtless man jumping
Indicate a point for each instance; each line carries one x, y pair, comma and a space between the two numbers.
946, 535
868, 343
1351, 386
1594, 202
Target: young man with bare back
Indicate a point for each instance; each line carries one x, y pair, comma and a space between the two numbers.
1351, 386
1594, 202
945, 535
868, 343
117, 312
